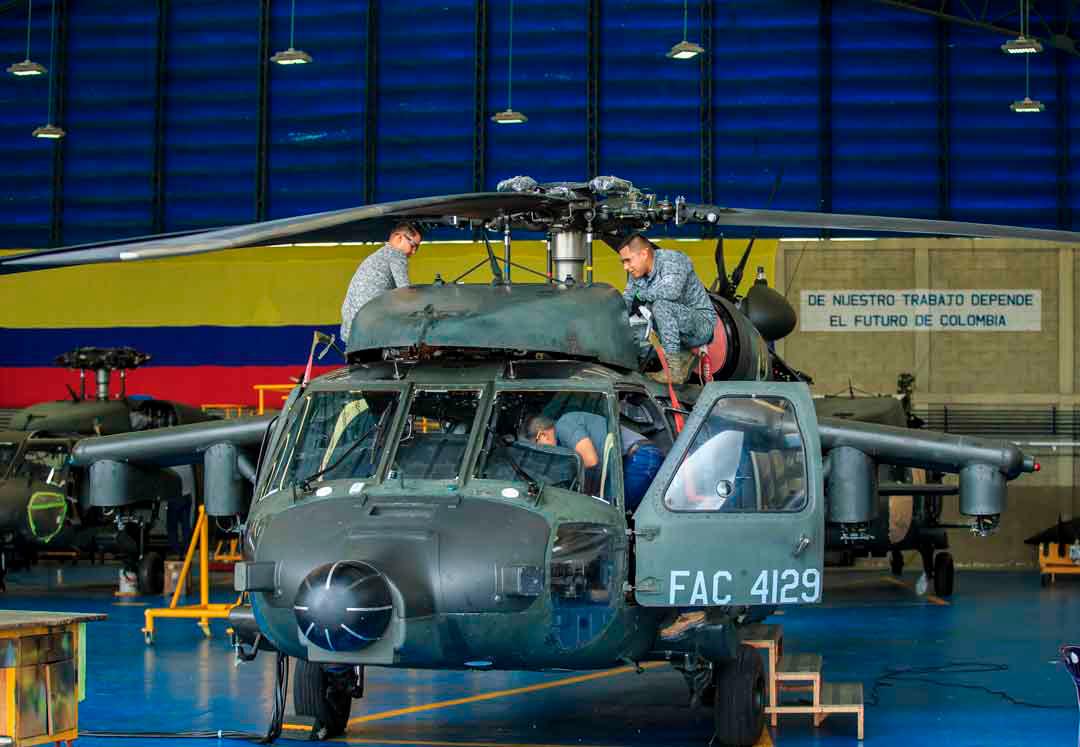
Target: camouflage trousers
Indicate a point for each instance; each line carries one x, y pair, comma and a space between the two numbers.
679, 327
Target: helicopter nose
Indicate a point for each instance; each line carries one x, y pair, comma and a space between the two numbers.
343, 606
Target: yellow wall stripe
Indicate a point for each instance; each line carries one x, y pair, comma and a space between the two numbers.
269, 286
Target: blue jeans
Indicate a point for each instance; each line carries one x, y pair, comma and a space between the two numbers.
639, 470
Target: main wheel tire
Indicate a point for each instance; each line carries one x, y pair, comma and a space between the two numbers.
740, 699
944, 574
896, 562
316, 696
151, 573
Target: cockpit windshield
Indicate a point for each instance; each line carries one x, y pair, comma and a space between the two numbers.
7, 453
336, 435
436, 434
41, 462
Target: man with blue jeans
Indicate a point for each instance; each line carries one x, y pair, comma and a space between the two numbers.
586, 433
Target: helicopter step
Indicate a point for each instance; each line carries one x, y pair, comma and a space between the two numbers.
798, 671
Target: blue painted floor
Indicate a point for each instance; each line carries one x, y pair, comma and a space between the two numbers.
1001, 627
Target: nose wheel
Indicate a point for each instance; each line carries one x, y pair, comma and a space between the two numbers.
740, 699
326, 697
939, 568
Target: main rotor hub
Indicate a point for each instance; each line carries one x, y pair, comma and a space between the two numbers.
103, 361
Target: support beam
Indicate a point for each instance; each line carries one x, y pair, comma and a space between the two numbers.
943, 116
158, 175
371, 102
592, 89
480, 36
1064, 143
57, 80
920, 367
825, 139
707, 115
1066, 335
262, 145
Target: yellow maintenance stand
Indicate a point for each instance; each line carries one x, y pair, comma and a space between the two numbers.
204, 610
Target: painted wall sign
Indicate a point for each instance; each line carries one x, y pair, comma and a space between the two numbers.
919, 309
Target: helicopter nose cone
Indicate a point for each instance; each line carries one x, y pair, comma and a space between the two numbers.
343, 606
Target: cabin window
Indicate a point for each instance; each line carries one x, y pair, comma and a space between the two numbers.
40, 462
436, 434
336, 435
515, 450
747, 457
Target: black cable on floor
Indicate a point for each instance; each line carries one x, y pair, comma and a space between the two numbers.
897, 675
277, 719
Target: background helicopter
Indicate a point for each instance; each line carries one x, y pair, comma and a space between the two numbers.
42, 501
409, 477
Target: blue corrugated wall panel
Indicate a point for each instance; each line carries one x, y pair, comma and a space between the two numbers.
211, 113
1003, 165
766, 103
873, 146
425, 117
317, 111
884, 111
649, 105
109, 105
26, 197
548, 87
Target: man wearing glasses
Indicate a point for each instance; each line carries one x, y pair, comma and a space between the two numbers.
384, 270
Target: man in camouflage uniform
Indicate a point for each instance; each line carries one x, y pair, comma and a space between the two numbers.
682, 314
385, 269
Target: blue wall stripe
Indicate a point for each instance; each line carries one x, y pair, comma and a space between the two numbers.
168, 346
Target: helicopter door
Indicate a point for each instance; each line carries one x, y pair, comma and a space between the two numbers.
735, 515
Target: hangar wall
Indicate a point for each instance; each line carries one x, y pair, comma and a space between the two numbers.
988, 369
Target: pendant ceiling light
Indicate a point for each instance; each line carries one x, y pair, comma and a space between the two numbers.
27, 67
685, 50
291, 56
49, 131
509, 116
1026, 105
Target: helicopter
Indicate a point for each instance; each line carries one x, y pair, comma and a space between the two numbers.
401, 517
41, 506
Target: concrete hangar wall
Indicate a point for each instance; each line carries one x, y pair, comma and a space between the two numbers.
1029, 363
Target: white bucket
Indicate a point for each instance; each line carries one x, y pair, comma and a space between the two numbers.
129, 582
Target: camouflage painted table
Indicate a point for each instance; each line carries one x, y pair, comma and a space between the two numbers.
42, 663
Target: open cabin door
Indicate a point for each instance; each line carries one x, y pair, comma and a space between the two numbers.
736, 516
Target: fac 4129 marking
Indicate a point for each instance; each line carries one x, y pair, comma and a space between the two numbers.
772, 586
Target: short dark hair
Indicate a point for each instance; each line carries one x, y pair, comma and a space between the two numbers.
636, 240
536, 424
407, 226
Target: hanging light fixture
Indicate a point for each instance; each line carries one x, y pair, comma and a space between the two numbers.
291, 56
49, 131
685, 50
509, 116
1023, 44
27, 67
1026, 105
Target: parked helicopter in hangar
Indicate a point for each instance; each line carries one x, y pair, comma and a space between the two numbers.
402, 518
42, 511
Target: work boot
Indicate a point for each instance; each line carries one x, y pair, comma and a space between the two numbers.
680, 365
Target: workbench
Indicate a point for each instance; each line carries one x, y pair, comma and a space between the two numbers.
42, 675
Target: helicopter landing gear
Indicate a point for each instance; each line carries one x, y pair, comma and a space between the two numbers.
740, 699
940, 569
944, 574
150, 572
896, 562
326, 696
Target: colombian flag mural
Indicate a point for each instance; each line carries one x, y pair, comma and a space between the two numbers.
218, 324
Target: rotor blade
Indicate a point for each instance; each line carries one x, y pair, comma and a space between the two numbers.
725, 216
367, 223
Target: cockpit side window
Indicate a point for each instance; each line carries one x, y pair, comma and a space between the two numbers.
335, 435
558, 439
40, 461
436, 434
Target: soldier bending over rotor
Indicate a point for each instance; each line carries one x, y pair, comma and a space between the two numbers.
664, 282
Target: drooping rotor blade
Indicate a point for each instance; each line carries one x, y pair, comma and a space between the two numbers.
367, 223
725, 216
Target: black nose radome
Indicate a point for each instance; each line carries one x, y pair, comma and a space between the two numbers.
343, 606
